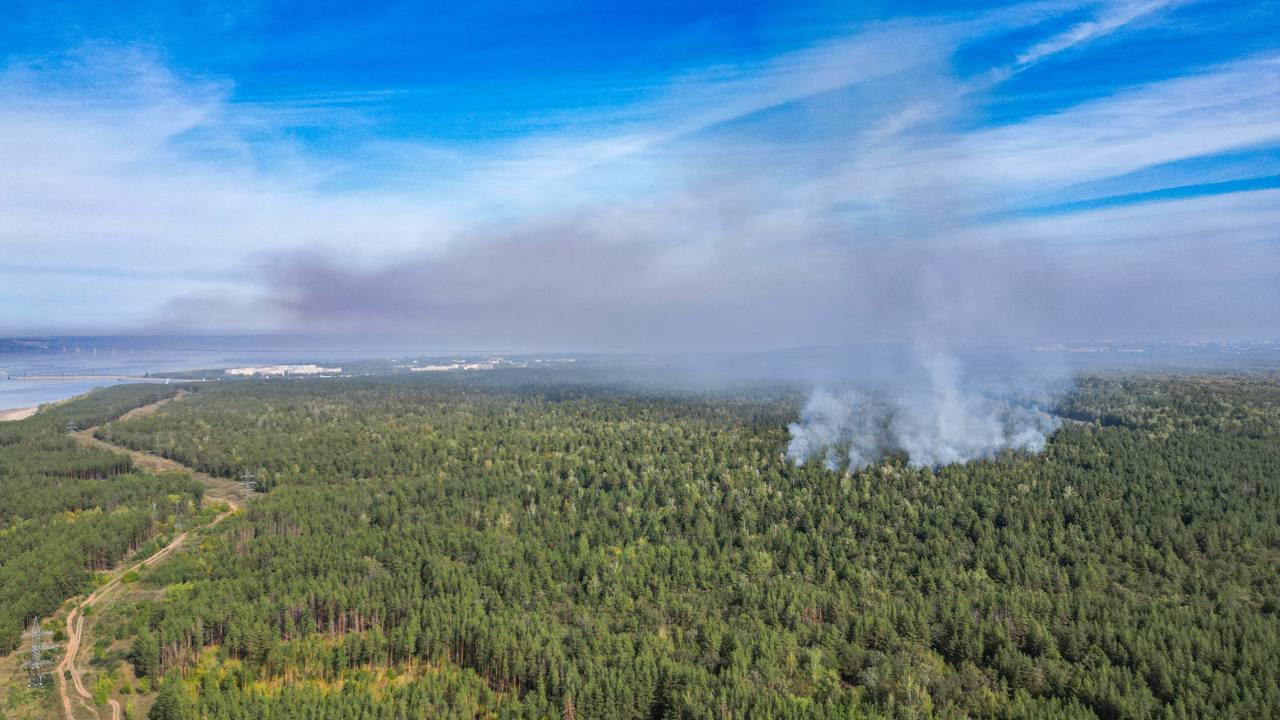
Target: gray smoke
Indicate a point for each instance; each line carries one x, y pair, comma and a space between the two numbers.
936, 414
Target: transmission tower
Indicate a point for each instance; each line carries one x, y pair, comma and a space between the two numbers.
250, 481
37, 665
71, 426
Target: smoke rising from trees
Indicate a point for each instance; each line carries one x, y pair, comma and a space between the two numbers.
938, 414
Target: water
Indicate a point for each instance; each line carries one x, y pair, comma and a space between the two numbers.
16, 392
140, 356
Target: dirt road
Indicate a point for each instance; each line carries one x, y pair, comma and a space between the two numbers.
218, 489
67, 672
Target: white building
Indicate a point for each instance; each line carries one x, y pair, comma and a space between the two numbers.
267, 370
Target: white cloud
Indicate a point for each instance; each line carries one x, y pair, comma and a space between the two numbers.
788, 201
1230, 107
1113, 17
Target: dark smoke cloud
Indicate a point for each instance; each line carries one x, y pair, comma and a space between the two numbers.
863, 213
619, 281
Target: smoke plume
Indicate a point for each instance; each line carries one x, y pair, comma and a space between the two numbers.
936, 414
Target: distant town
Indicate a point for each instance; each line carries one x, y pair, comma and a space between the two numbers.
419, 365
269, 370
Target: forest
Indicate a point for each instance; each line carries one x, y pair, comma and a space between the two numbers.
526, 545
67, 510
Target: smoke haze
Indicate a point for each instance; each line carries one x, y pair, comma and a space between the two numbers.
934, 414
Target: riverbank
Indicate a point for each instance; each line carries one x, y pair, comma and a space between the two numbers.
31, 391
17, 414
70, 377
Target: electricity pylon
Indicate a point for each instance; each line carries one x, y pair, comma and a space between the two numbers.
38, 664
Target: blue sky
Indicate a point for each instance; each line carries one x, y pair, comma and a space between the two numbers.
594, 175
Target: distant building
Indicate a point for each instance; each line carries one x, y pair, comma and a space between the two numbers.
268, 370
435, 368
492, 363
488, 365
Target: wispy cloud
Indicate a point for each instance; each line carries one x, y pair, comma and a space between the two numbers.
1112, 18
1233, 106
841, 193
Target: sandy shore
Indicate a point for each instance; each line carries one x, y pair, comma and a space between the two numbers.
88, 378
17, 413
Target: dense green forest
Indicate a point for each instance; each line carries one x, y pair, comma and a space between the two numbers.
514, 545
67, 510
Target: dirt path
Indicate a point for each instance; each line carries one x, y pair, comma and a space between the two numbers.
148, 409
75, 621
219, 489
